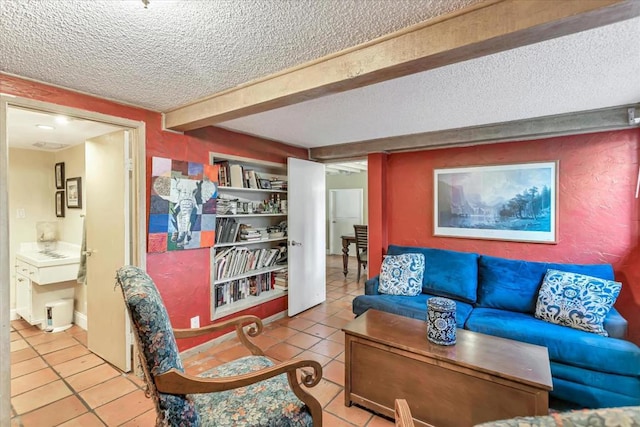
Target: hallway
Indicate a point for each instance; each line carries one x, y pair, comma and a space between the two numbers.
56, 381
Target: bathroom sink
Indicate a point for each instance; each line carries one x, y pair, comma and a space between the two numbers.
55, 255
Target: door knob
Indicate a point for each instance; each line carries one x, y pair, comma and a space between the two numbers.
88, 252
294, 243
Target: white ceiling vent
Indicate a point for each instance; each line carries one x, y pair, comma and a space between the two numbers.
43, 145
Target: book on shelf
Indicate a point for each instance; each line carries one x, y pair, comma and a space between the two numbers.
237, 176
236, 290
253, 179
278, 184
249, 234
239, 260
226, 206
281, 279
223, 173
227, 230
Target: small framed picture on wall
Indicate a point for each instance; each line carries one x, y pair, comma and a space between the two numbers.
59, 173
74, 193
60, 204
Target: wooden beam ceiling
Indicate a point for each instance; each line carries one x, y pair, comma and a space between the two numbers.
486, 28
614, 118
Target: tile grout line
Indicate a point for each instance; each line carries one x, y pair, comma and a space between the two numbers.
75, 393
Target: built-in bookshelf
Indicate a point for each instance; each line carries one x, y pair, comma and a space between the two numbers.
250, 234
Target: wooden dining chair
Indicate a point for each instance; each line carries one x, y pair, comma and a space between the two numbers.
362, 241
403, 414
249, 391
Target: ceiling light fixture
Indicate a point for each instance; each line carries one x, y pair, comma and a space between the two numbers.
49, 145
45, 127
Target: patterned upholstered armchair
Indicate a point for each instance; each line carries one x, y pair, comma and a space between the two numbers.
250, 391
608, 417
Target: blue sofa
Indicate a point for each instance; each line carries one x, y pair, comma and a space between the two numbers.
497, 296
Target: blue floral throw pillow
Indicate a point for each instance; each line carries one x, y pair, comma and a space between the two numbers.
575, 300
402, 274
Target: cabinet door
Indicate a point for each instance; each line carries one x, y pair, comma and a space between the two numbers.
307, 231
23, 297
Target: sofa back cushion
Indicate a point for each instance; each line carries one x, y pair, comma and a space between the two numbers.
446, 273
510, 284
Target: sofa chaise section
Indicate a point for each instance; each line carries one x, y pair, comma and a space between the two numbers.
593, 370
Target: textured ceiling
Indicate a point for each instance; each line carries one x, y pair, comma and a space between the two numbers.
594, 69
174, 52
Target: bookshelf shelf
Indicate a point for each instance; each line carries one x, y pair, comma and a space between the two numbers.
248, 302
250, 190
226, 245
250, 273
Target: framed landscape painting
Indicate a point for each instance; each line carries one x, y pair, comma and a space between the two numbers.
506, 202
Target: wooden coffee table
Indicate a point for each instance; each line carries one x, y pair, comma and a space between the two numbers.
480, 378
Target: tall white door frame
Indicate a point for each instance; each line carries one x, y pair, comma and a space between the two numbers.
137, 209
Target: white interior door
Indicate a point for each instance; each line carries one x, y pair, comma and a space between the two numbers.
345, 210
108, 237
307, 234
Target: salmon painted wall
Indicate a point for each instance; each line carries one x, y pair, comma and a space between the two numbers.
181, 276
597, 208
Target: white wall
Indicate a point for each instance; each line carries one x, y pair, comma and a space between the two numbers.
71, 226
74, 164
342, 181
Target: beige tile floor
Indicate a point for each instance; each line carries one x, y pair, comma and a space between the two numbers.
56, 381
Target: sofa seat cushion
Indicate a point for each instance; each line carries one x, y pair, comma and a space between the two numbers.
513, 285
620, 384
414, 307
265, 403
589, 397
566, 345
447, 273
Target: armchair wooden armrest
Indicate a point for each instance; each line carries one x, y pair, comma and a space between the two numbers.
403, 414
237, 322
176, 382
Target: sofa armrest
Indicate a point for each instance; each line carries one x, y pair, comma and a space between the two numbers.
371, 286
615, 325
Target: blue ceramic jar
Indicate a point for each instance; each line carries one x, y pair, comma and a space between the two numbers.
441, 321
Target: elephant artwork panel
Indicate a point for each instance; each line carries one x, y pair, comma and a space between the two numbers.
182, 213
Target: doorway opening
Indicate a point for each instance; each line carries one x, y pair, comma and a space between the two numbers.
45, 178
347, 200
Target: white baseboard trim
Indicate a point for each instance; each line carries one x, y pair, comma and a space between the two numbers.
13, 314
80, 320
230, 335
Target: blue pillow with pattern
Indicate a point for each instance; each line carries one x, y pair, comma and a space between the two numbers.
402, 274
575, 300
